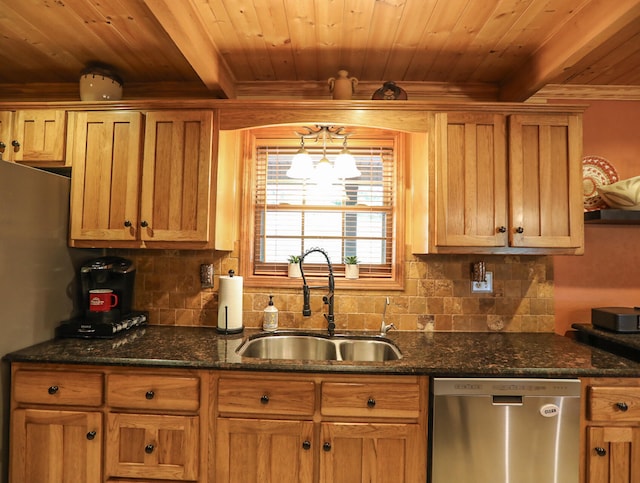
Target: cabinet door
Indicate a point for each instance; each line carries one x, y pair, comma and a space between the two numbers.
545, 178
264, 451
361, 453
40, 134
56, 446
152, 446
613, 454
6, 123
471, 180
177, 176
105, 152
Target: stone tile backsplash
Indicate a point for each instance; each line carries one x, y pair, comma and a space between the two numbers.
437, 295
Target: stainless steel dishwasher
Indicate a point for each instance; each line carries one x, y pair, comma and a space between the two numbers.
505, 430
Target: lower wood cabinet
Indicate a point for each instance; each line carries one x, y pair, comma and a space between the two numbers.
92, 424
56, 446
612, 430
321, 428
97, 424
152, 446
380, 452
264, 450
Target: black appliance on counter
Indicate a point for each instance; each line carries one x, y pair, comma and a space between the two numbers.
617, 319
115, 274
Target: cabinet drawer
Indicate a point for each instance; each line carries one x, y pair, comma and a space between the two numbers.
59, 388
614, 403
152, 446
393, 400
266, 396
137, 391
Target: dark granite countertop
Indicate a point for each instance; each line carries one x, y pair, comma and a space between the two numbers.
626, 344
432, 353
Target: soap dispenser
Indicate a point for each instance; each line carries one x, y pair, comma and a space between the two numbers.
270, 322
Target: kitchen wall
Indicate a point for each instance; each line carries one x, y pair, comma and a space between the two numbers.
608, 275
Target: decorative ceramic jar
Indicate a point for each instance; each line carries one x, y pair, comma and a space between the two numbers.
343, 86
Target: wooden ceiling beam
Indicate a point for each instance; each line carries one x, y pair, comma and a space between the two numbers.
592, 26
184, 25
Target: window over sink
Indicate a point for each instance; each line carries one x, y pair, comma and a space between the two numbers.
360, 216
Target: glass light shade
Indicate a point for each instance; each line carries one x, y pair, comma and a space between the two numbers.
345, 165
323, 172
301, 165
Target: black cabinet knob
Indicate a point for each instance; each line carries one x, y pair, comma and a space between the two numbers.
148, 449
326, 446
15, 144
306, 445
150, 395
91, 435
144, 224
502, 229
600, 451
519, 230
127, 223
371, 402
622, 406
2, 145
52, 389
264, 399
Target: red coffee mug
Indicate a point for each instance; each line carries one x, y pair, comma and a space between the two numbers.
102, 300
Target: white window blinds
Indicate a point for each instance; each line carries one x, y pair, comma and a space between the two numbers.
346, 217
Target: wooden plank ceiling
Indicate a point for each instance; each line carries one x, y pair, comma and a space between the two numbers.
506, 50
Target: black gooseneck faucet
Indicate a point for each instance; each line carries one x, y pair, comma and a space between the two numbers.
327, 299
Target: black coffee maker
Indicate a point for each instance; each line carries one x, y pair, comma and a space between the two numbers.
115, 273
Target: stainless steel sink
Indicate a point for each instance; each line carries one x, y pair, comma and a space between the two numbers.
319, 347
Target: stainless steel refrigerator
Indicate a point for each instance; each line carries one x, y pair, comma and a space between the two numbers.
37, 269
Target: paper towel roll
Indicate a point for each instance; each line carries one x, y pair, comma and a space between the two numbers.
230, 304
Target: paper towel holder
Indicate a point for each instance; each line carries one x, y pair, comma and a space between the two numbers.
224, 328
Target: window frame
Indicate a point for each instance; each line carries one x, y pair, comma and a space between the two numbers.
285, 134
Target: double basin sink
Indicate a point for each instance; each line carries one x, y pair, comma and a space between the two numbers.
319, 347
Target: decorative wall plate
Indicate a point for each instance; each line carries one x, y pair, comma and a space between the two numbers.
596, 172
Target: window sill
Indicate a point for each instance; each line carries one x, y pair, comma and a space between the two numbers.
263, 281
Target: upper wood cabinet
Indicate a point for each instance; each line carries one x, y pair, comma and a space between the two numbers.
153, 190
34, 136
105, 148
545, 181
497, 183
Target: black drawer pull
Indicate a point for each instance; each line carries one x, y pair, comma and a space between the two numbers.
371, 402
150, 395
306, 445
52, 389
264, 399
622, 406
519, 230
326, 446
502, 229
600, 451
91, 435
148, 449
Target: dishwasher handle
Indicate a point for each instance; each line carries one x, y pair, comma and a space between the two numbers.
507, 400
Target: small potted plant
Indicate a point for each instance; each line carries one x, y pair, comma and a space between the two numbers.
294, 266
351, 268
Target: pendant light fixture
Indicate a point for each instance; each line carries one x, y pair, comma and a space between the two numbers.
344, 166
